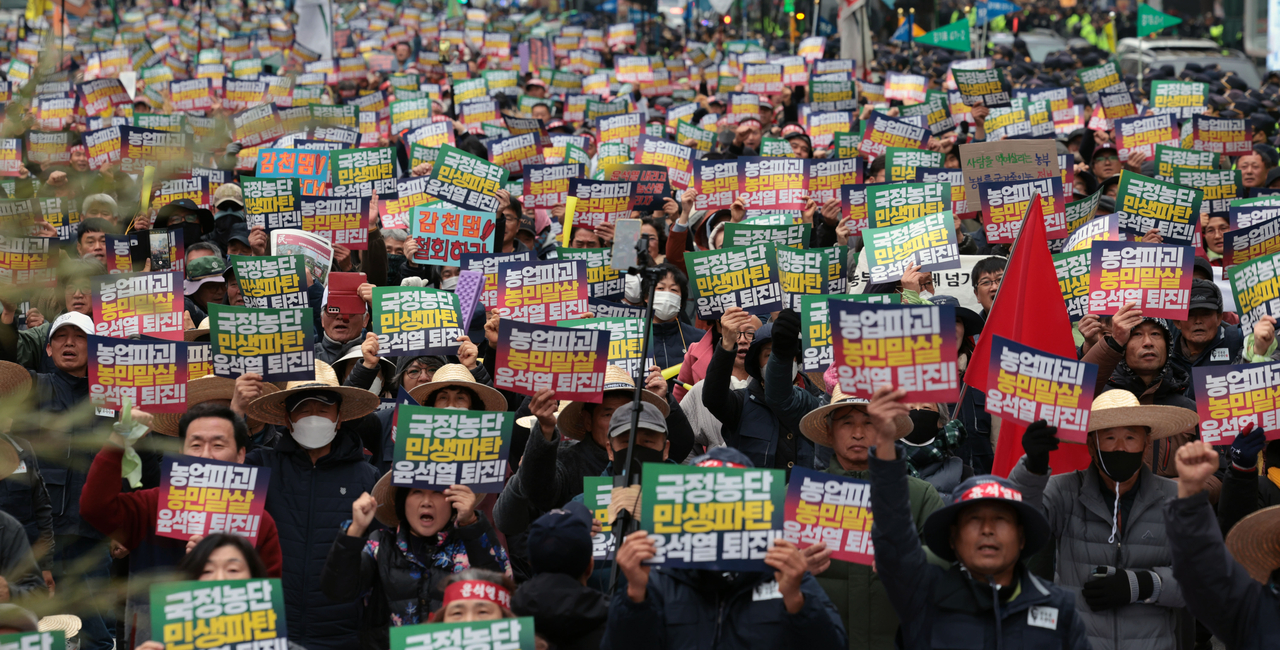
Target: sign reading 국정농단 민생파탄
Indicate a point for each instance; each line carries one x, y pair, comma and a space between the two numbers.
276, 343
415, 321
737, 276
1219, 187
1073, 280
746, 234
148, 375
597, 494
126, 304
202, 496
1231, 399
569, 361
986, 87
445, 233
1155, 277
714, 518
833, 510
273, 203
272, 282
1256, 288
465, 180
626, 342
1145, 203
363, 172
909, 347
542, 291
893, 205
816, 327
1028, 385
929, 243
1169, 159
437, 448
55, 640
502, 634
802, 273
219, 614
603, 281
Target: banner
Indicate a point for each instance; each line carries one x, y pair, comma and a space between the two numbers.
569, 361
912, 348
833, 96
762, 78
413, 321
206, 614
148, 375
437, 448
542, 291
202, 496
1146, 203
128, 304
626, 341
830, 509
465, 180
1156, 277
745, 277
278, 344
1220, 135
1031, 385
1231, 399
929, 242
682, 510
603, 281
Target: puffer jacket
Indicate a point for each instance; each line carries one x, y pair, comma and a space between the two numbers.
1079, 510
404, 588
310, 502
856, 590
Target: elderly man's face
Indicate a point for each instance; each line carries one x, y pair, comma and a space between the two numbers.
1146, 351
584, 238
93, 244
342, 327
69, 349
394, 246
987, 537
79, 160
1253, 172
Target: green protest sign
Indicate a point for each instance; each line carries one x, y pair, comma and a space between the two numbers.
952, 37
437, 448
416, 321
502, 634
1151, 21
626, 340
215, 613
272, 282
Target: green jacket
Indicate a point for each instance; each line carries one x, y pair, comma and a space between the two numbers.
856, 590
30, 345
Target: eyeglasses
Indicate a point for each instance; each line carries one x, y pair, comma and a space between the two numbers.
750, 336
414, 373
989, 282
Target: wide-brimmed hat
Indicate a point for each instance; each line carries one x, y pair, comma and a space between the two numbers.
15, 381
356, 402
937, 528
529, 420
199, 391
1119, 408
456, 375
195, 334
385, 494
615, 380
386, 367
1255, 543
816, 427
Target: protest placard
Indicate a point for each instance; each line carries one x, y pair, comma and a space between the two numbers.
1005, 204
882, 132
597, 493
1219, 187
49, 148
625, 128
986, 87
465, 180
1145, 203
1181, 99
363, 172
55, 640
311, 168
1030, 385
1104, 228
816, 327
1155, 277
1250, 243
569, 361
415, 321
505, 634
823, 125
853, 207
1220, 135
257, 126
341, 221
772, 184
542, 291
929, 242
1168, 159
1232, 399
26, 261
832, 510
676, 158
909, 347
142, 148
1099, 79
217, 613
762, 78
513, 153
1255, 285
1014, 160
746, 234
626, 341
1142, 134
445, 233
147, 375
1243, 213
899, 203
601, 201
437, 448
802, 273
272, 282
649, 184
1073, 280
735, 276
487, 263
202, 496
901, 163
953, 178
910, 88
681, 510
126, 304
717, 184
833, 95
278, 344
826, 177
603, 281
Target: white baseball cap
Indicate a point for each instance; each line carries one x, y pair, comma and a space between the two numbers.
72, 319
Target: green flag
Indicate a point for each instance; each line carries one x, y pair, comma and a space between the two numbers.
1151, 21
953, 37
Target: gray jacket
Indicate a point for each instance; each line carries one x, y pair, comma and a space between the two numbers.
1079, 511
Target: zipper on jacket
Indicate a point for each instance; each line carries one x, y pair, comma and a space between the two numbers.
1115, 619
719, 620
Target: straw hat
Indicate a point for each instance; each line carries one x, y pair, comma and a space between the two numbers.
615, 380
529, 420
385, 494
356, 402
199, 391
69, 624
1255, 543
1119, 408
15, 381
815, 427
457, 375
386, 367
202, 330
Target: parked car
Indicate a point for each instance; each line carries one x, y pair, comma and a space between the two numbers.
1178, 52
1040, 42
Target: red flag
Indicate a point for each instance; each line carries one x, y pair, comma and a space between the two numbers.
1028, 309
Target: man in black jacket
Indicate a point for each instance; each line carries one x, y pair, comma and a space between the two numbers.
566, 612
988, 597
19, 574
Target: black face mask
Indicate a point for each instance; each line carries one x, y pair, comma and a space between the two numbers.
395, 264
1120, 466
924, 426
191, 234
639, 456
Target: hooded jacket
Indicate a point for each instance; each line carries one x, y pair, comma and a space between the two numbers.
403, 586
945, 608
568, 614
1080, 513
681, 611
309, 503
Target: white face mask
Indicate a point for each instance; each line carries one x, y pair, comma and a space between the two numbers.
631, 288
452, 408
795, 368
666, 304
449, 284
926, 295
736, 384
314, 431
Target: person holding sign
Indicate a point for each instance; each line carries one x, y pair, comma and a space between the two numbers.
987, 595
1125, 589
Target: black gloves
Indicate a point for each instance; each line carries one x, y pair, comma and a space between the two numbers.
786, 335
1120, 588
1245, 449
1038, 441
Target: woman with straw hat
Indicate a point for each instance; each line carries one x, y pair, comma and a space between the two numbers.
1234, 590
317, 470
1111, 542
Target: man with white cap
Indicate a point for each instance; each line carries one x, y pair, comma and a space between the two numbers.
1112, 549
27, 347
